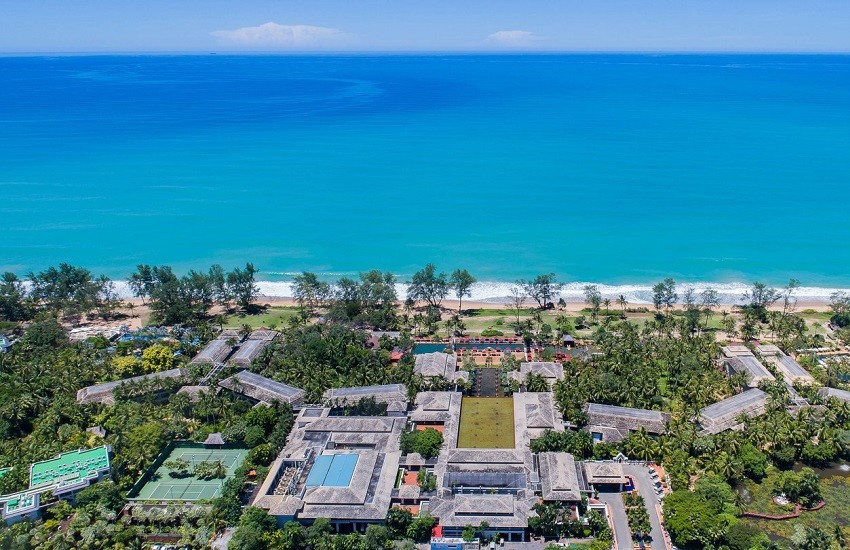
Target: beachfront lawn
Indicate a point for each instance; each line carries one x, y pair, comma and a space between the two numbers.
836, 492
273, 317
486, 423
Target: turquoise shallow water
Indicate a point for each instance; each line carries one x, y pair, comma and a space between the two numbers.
608, 168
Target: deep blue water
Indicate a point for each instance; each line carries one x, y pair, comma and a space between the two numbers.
609, 168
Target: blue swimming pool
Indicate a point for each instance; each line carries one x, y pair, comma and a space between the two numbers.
430, 347
332, 470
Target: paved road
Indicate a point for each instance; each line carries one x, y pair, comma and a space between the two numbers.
618, 515
645, 487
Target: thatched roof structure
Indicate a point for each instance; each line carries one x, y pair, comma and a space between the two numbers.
617, 422
214, 439
604, 473
841, 395
436, 364
387, 393
559, 477
262, 389
724, 414
103, 393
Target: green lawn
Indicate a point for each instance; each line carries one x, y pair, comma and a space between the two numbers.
275, 315
486, 423
836, 493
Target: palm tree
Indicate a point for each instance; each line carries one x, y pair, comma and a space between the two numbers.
622, 302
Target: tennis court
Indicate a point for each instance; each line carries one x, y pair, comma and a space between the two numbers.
161, 486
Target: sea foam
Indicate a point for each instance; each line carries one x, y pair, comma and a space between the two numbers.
499, 292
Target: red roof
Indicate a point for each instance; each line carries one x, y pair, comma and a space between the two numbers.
437, 531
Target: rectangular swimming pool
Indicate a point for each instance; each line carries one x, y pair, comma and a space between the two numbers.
332, 470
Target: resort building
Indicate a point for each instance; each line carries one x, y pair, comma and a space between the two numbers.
790, 369
104, 393
62, 476
550, 370
739, 359
605, 475
613, 424
260, 389
251, 348
841, 395
339, 467
393, 395
497, 485
725, 414
437, 364
216, 351
561, 477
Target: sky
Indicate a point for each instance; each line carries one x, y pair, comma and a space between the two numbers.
79, 26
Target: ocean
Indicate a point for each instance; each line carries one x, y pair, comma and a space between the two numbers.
613, 169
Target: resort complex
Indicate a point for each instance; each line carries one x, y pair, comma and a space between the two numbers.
606, 436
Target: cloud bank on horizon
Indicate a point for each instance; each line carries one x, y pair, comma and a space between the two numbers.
273, 35
515, 39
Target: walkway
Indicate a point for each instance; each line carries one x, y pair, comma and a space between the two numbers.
645, 487
487, 382
622, 534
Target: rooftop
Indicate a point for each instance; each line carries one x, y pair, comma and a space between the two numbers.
436, 364
604, 473
841, 395
102, 393
262, 389
754, 370
216, 351
386, 393
549, 369
70, 467
559, 477
724, 414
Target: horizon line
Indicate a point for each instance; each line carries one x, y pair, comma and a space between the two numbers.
340, 53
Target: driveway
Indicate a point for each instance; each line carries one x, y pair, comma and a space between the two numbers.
622, 534
645, 487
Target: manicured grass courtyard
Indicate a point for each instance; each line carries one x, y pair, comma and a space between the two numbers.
486, 423
275, 316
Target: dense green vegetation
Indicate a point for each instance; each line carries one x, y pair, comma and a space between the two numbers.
664, 361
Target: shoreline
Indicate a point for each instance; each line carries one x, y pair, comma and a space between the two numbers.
497, 293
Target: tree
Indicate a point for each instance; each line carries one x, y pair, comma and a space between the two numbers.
542, 289
468, 533
709, 299
398, 520
420, 528
839, 304
536, 383
240, 286
71, 291
622, 302
142, 282
789, 301
429, 286
157, 358
811, 538
760, 297
461, 281
426, 442
178, 466
593, 298
13, 305
664, 294
309, 291
516, 303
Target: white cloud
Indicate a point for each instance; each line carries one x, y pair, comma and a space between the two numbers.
515, 38
273, 35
